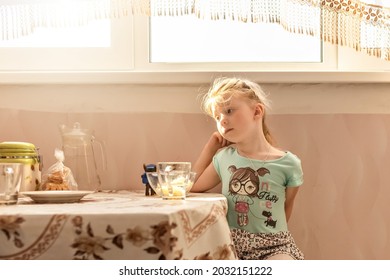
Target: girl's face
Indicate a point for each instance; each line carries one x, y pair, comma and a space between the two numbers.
236, 120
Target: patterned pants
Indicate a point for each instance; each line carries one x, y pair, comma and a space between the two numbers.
261, 246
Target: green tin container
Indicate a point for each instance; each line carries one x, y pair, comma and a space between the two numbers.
28, 154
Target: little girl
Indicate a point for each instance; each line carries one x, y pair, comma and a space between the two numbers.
259, 180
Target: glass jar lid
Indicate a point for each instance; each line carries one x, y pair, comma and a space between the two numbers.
17, 145
18, 148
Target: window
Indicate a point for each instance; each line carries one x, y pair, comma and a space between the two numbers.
128, 50
192, 40
249, 46
95, 34
100, 45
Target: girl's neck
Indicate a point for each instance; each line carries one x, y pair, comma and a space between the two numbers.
260, 150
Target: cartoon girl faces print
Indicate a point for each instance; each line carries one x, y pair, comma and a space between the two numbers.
243, 185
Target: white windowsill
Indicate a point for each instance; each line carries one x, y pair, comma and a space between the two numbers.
170, 77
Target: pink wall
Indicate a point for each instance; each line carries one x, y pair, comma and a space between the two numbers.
341, 131
341, 210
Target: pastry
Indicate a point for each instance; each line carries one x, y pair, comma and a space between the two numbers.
55, 182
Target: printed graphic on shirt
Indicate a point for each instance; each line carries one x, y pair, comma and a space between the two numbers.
244, 186
269, 222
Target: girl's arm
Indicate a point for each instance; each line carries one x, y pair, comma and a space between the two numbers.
207, 180
206, 176
291, 193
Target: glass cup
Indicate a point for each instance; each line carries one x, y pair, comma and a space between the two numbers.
173, 179
190, 183
153, 181
11, 175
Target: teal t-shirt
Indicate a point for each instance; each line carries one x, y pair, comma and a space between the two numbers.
256, 189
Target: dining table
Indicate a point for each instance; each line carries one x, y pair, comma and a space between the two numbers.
117, 225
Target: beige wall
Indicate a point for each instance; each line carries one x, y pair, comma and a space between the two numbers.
300, 98
340, 131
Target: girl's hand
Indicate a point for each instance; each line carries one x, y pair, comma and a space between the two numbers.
207, 177
217, 142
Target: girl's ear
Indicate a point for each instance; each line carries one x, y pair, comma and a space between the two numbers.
259, 110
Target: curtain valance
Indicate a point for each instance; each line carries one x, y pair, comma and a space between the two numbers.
362, 25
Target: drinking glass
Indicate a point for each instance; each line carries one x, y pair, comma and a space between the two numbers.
11, 175
173, 178
190, 183
153, 181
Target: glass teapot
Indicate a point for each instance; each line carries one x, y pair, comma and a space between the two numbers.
79, 146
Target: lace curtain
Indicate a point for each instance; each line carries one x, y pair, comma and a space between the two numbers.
360, 24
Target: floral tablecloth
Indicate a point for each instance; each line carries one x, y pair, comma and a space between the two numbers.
117, 225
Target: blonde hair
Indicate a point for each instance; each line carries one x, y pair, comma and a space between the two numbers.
223, 89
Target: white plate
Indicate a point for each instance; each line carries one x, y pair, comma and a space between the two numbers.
56, 196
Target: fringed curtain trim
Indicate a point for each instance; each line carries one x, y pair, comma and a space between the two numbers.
353, 23
294, 15
357, 24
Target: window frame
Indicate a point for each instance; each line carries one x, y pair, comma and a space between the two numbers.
142, 72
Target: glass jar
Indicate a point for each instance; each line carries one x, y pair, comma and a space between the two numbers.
28, 154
